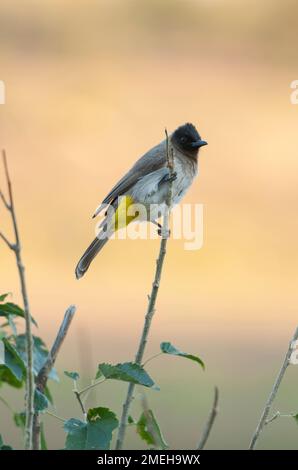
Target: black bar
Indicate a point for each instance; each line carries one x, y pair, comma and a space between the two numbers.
134, 458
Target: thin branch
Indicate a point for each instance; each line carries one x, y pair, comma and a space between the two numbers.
210, 421
278, 414
43, 375
10, 245
78, 396
151, 299
16, 248
273, 392
2, 197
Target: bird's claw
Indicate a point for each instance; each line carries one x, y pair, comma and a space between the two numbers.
164, 233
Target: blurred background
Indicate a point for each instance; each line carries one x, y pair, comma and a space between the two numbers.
90, 86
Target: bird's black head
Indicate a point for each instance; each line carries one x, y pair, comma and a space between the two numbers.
188, 140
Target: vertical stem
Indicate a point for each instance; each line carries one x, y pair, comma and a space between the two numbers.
29, 339
152, 300
273, 393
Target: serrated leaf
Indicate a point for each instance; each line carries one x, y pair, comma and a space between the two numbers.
127, 372
168, 348
10, 308
95, 434
40, 401
72, 375
149, 430
13, 370
40, 354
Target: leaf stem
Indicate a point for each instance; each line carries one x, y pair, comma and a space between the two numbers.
151, 358
91, 386
279, 415
55, 416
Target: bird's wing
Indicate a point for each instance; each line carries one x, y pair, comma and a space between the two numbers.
153, 160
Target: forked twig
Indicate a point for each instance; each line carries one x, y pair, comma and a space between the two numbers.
273, 393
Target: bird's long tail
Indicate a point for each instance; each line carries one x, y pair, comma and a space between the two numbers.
89, 255
116, 218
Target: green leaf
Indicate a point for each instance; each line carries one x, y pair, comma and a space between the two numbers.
296, 418
40, 354
72, 375
3, 297
2, 446
130, 420
168, 348
13, 370
10, 308
40, 401
149, 430
95, 434
127, 372
20, 420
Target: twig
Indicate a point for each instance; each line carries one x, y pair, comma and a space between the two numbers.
151, 299
79, 393
78, 396
10, 245
210, 421
278, 414
43, 375
273, 392
16, 248
4, 201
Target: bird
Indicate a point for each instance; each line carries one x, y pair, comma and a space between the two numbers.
147, 183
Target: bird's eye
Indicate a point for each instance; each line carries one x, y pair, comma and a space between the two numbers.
183, 139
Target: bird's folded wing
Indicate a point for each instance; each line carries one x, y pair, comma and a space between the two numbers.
148, 163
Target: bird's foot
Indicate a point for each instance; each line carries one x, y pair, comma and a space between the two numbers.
164, 233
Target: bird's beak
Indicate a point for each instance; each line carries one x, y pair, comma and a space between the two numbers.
199, 143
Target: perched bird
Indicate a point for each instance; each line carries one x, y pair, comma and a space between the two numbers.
147, 183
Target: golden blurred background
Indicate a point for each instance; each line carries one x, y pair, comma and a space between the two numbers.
90, 86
